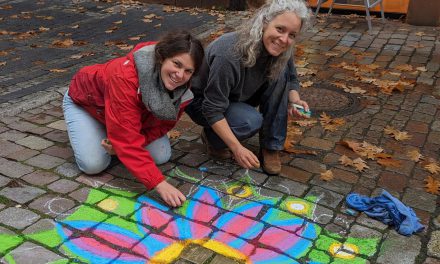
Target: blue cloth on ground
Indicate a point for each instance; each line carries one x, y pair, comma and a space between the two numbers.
389, 210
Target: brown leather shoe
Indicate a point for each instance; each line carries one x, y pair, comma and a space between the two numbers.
213, 152
271, 161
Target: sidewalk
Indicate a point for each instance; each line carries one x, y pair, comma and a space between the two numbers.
52, 213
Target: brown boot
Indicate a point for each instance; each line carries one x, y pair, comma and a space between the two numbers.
213, 152
271, 161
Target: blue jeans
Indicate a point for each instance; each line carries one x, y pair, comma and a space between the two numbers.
245, 121
86, 134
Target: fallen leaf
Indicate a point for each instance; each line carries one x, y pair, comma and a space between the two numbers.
359, 164
58, 70
157, 26
396, 134
422, 69
65, 43
346, 161
433, 167
432, 185
390, 163
404, 67
5, 7
327, 175
174, 134
305, 123
354, 90
117, 22
306, 84
2, 63
420, 33
414, 155
42, 29
134, 38
75, 26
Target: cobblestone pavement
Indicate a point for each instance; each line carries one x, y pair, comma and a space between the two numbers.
52, 213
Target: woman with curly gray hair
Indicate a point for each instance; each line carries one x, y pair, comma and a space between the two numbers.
244, 69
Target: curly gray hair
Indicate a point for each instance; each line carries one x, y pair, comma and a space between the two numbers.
250, 35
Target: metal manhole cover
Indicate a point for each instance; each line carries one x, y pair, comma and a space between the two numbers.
333, 101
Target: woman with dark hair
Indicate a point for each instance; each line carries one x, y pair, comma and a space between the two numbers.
244, 69
127, 105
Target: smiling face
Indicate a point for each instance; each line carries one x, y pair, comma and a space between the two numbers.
281, 32
176, 71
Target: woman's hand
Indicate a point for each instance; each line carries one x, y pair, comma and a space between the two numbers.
293, 111
105, 143
169, 194
245, 158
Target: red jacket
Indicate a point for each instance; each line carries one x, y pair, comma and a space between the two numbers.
109, 92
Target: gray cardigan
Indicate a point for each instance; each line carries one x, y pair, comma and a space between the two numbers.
223, 79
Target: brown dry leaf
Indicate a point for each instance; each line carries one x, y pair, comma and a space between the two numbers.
65, 43
135, 38
354, 90
147, 20
422, 69
117, 22
433, 167
174, 134
336, 25
45, 17
396, 134
5, 7
305, 71
324, 118
110, 30
390, 163
331, 54
340, 85
414, 155
327, 175
432, 185
2, 63
157, 26
75, 26
382, 156
301, 63
82, 55
404, 67
58, 70
359, 164
42, 29
305, 123
306, 84
4, 53
346, 161
420, 33
338, 121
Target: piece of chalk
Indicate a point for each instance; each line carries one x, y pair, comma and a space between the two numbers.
203, 169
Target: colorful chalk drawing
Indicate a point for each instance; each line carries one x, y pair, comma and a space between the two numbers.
115, 226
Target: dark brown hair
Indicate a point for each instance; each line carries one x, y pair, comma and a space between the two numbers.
178, 42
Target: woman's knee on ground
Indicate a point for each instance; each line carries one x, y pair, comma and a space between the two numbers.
92, 166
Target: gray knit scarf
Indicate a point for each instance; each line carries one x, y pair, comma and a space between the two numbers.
162, 103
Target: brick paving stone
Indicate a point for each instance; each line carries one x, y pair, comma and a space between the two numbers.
30, 251
126, 185
393, 181
420, 200
334, 185
68, 170
22, 194
221, 167
45, 161
42, 225
195, 174
22, 126
12, 135
324, 197
345, 176
322, 215
95, 181
7, 148
60, 125
295, 174
431, 261
4, 181
398, 247
196, 254
434, 245
34, 142
435, 126
58, 136
63, 186
286, 186
14, 169
191, 147
40, 178
41, 119
317, 143
220, 259
193, 160
308, 165
17, 217
23, 154
256, 177
52, 205
60, 152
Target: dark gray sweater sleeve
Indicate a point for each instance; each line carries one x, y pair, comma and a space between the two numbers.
291, 76
223, 77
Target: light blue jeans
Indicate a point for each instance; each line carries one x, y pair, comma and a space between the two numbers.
86, 134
